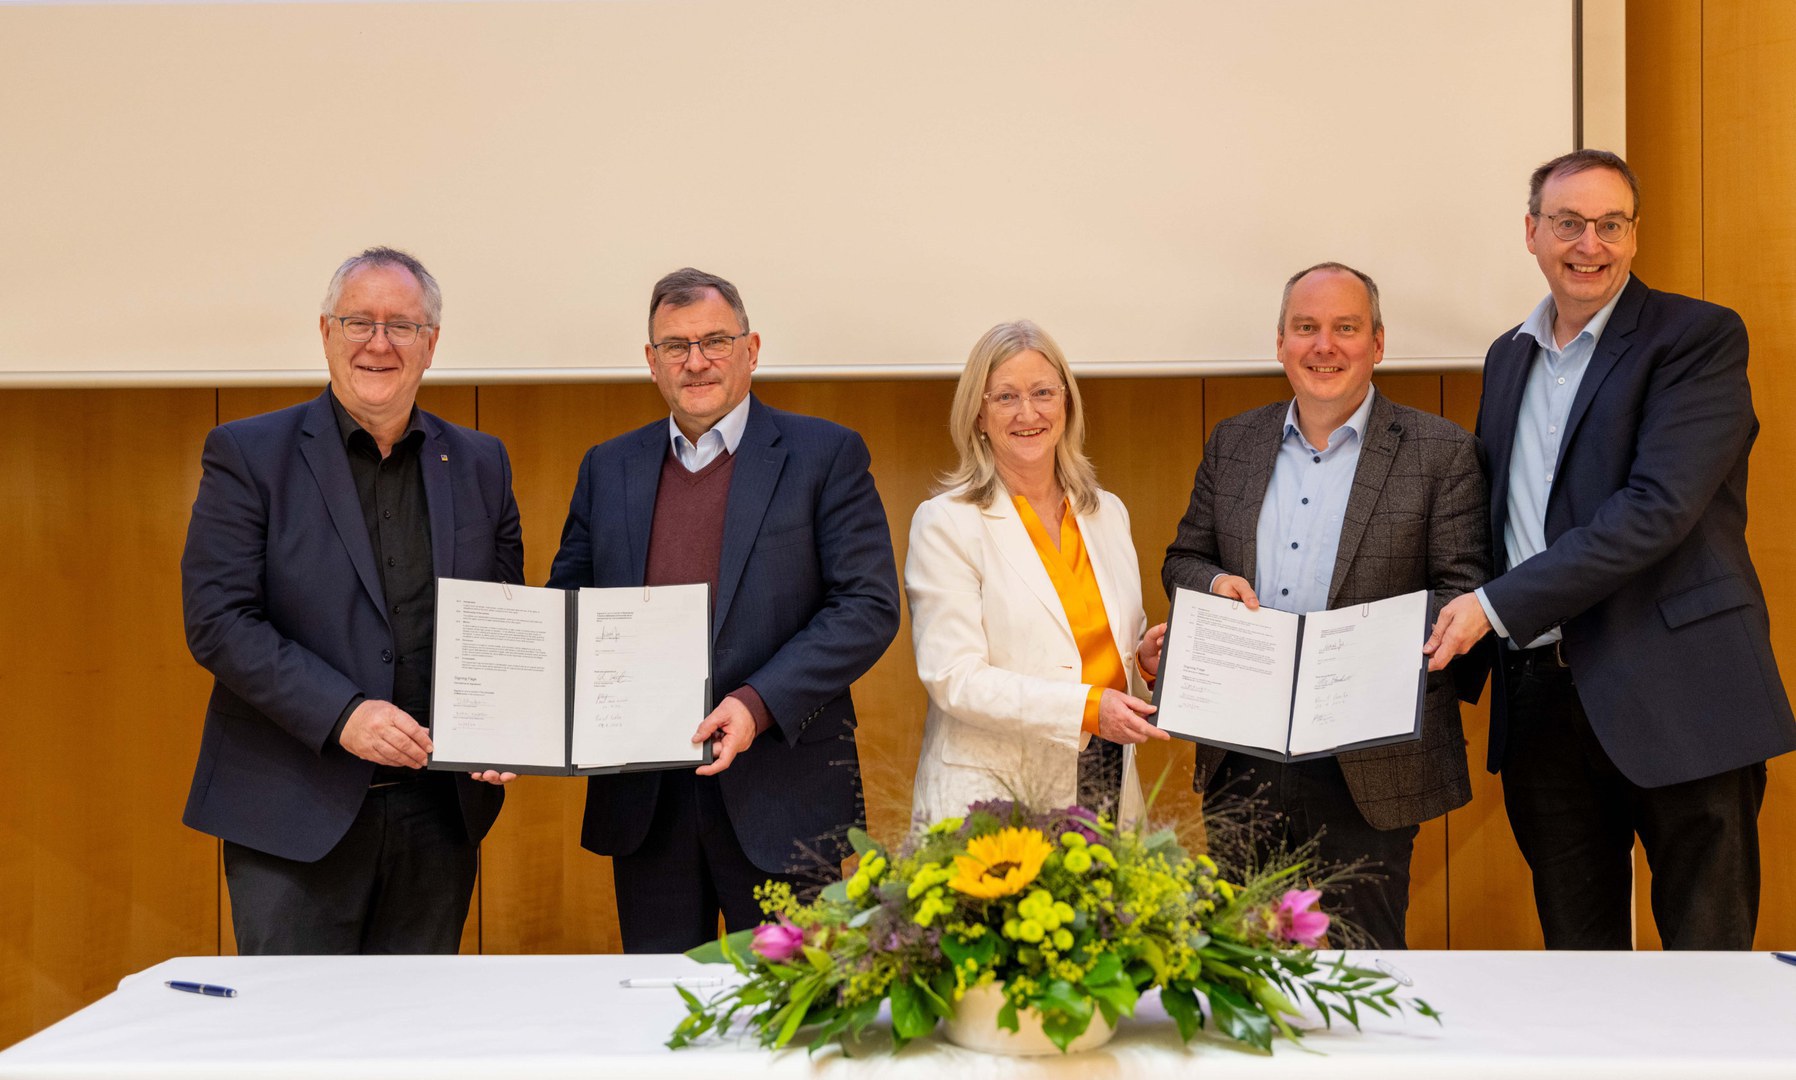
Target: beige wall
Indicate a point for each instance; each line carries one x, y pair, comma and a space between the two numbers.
1123, 173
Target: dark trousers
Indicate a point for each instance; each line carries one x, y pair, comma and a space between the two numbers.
1575, 817
1101, 775
398, 882
1311, 799
689, 868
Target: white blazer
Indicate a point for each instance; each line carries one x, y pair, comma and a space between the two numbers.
997, 656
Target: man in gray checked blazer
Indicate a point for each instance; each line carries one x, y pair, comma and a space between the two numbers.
1341, 497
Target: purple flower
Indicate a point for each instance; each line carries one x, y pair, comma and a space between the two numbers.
778, 941
1081, 820
1002, 809
1296, 920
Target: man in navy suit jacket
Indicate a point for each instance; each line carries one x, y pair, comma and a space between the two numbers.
1636, 692
308, 586
779, 514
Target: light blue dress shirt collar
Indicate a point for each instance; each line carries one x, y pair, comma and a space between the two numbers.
1299, 532
1539, 323
1554, 376
726, 434
1356, 422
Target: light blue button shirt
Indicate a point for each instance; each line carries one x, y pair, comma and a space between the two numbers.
1300, 521
1554, 376
726, 434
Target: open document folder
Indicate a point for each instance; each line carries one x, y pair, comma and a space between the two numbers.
1289, 687
562, 683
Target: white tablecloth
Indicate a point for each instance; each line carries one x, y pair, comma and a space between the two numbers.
1531, 1014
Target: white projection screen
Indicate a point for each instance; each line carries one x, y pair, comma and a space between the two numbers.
883, 180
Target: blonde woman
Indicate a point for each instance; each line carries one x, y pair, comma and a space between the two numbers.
1025, 600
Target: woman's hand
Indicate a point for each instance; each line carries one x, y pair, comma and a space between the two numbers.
1147, 654
1123, 719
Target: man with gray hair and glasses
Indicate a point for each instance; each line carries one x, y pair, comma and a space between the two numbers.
309, 589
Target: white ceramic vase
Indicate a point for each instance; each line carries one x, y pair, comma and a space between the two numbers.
974, 1025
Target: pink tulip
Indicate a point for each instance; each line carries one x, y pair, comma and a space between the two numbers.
780, 941
1297, 921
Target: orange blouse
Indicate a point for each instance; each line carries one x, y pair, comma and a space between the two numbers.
1076, 583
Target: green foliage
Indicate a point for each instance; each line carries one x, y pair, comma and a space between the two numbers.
1098, 916
728, 949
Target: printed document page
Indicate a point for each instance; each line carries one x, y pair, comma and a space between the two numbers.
500, 681
1227, 672
1359, 675
640, 673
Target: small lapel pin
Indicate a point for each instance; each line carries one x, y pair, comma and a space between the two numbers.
445, 457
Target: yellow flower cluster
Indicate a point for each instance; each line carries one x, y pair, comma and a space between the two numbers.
926, 888
1041, 917
1080, 854
776, 899
865, 876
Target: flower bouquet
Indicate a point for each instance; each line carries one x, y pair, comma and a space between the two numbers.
1070, 915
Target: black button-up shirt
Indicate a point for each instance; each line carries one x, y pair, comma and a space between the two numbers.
391, 491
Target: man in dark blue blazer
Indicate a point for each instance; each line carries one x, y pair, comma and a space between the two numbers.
308, 586
778, 513
1636, 691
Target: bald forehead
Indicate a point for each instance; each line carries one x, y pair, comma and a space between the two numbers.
1325, 293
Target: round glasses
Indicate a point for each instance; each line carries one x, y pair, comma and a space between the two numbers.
1610, 228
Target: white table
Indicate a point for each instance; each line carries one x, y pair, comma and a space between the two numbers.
1531, 1014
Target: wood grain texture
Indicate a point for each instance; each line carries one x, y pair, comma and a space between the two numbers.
1665, 139
98, 878
1749, 264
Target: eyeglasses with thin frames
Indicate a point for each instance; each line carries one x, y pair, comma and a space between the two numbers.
713, 347
1610, 228
1043, 398
398, 333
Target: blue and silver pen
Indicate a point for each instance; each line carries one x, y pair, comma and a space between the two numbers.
1788, 958
201, 988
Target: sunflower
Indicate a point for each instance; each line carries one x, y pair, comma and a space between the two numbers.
999, 864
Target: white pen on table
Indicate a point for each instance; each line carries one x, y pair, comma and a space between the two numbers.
692, 983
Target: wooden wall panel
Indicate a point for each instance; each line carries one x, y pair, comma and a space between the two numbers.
1665, 139
1749, 264
98, 878
1712, 133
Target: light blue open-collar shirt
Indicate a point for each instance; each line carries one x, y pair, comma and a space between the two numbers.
1554, 376
726, 434
1299, 531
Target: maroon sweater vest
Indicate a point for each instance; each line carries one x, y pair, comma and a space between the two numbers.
686, 539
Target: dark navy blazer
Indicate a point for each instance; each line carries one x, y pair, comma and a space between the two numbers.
806, 602
283, 606
1646, 570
